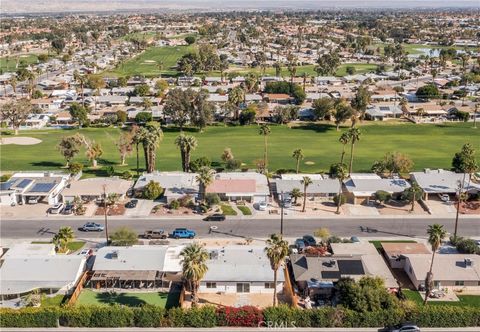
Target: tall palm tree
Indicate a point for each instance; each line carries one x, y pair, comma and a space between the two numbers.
236, 96
137, 137
194, 267
436, 234
298, 155
276, 250
354, 134
265, 131
306, 181
63, 237
413, 194
204, 178
80, 80
296, 194
186, 144
152, 137
344, 139
339, 171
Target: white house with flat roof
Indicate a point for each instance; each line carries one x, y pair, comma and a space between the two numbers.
175, 184
362, 187
239, 269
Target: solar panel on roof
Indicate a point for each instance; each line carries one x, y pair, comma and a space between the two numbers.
351, 267
42, 187
384, 108
24, 183
331, 275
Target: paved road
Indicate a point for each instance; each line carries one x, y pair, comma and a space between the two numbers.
255, 228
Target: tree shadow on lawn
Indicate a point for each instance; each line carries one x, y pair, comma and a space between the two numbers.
122, 298
47, 164
171, 129
316, 127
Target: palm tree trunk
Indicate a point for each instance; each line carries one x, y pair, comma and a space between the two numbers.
429, 279
138, 161
351, 159
298, 164
187, 161
182, 155
343, 154
265, 156
339, 201
122, 159
304, 198
275, 287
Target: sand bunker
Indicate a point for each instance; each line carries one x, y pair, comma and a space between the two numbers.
20, 140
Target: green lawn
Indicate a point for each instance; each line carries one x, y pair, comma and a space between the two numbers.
430, 146
166, 300
147, 63
23, 60
55, 301
245, 210
228, 210
75, 245
465, 300
378, 243
417, 48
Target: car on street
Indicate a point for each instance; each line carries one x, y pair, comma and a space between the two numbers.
215, 217
92, 227
309, 240
154, 234
300, 245
132, 204
262, 206
68, 210
404, 327
182, 233
56, 209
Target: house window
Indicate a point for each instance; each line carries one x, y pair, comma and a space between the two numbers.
270, 285
459, 283
211, 285
243, 287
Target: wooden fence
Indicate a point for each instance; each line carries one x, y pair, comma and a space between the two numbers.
76, 293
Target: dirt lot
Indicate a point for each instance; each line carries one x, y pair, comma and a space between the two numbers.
116, 210
161, 210
470, 207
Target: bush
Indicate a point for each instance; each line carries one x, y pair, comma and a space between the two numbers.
152, 190
185, 201
212, 199
127, 175
149, 316
76, 317
29, 317
143, 117
340, 198
445, 316
5, 177
75, 168
198, 163
243, 316
112, 316
194, 317
467, 246
174, 205
110, 170
285, 316
382, 196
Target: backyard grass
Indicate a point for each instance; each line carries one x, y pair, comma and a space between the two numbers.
245, 210
378, 243
228, 210
147, 63
465, 300
75, 245
9, 64
165, 300
55, 301
429, 146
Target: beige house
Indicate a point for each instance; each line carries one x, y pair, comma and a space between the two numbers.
94, 188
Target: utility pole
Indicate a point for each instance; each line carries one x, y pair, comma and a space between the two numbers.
105, 211
459, 198
281, 215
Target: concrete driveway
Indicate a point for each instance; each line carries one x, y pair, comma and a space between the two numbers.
143, 209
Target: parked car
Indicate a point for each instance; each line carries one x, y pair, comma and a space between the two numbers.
183, 233
300, 245
33, 200
215, 217
444, 197
92, 227
68, 209
155, 234
404, 327
309, 240
287, 203
56, 209
262, 206
355, 239
132, 204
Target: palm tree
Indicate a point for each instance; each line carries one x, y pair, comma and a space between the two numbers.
194, 267
436, 234
137, 137
265, 131
276, 250
236, 96
306, 181
81, 81
354, 134
152, 137
413, 194
204, 179
339, 171
186, 144
63, 237
296, 194
298, 155
344, 139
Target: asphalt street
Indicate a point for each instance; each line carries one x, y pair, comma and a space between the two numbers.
254, 228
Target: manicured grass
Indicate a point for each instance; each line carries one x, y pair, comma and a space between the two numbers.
378, 243
75, 245
228, 210
429, 146
465, 300
147, 63
23, 60
245, 210
55, 301
166, 300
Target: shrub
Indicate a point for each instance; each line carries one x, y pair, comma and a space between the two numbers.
76, 316
243, 316
467, 246
152, 190
75, 168
212, 199
194, 317
340, 198
149, 316
111, 316
445, 316
382, 196
174, 205
185, 201
29, 317
198, 163
285, 316
110, 171
127, 175
5, 177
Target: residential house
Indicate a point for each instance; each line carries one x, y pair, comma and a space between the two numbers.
394, 252
361, 187
175, 184
382, 111
233, 186
240, 269
321, 186
94, 188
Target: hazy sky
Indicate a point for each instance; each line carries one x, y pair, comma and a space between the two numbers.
36, 6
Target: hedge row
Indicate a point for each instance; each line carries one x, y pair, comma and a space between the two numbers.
208, 316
